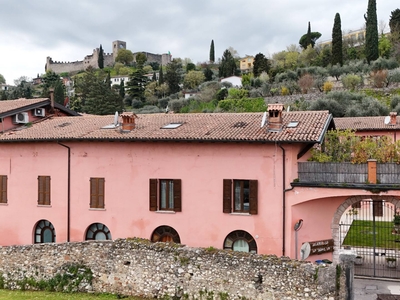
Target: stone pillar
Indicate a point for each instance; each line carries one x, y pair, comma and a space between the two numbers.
347, 258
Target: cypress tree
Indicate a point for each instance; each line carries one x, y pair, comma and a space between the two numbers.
308, 41
212, 52
337, 42
122, 89
371, 35
100, 59
161, 77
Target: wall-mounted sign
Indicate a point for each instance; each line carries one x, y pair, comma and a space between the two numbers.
319, 247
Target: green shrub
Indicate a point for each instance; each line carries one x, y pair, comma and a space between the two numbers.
243, 105
351, 81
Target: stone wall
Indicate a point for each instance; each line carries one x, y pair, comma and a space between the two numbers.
140, 268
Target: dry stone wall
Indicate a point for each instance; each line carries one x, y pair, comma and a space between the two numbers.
167, 271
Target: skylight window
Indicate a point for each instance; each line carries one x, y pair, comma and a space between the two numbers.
171, 126
292, 124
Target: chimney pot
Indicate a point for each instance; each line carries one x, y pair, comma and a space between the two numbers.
393, 118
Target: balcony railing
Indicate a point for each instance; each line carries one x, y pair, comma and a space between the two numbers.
347, 173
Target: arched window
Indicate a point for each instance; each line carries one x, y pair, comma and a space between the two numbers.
44, 232
165, 234
240, 240
98, 232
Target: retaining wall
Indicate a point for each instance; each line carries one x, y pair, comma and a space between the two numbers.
161, 270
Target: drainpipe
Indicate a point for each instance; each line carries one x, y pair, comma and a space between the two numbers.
284, 198
68, 192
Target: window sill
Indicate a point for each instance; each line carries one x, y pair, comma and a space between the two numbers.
44, 205
240, 214
97, 209
165, 211
4, 204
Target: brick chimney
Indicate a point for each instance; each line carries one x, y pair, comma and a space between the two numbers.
51, 92
275, 117
393, 118
128, 122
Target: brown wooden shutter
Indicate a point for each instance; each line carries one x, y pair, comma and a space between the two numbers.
227, 196
3, 192
177, 195
253, 197
153, 195
41, 188
100, 193
93, 192
46, 191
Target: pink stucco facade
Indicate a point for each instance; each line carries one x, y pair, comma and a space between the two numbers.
127, 167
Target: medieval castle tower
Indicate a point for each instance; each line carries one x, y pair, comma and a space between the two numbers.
92, 60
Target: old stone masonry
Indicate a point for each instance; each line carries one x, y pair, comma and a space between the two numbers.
138, 267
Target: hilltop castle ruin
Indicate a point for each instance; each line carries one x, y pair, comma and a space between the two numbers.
92, 60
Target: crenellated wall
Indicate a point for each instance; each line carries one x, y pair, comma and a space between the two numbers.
140, 268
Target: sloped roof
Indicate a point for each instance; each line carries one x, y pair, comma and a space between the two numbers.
212, 127
365, 124
10, 107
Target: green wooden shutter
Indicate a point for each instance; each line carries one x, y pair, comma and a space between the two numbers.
153, 195
253, 197
177, 195
227, 196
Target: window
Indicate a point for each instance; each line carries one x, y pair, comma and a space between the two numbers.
165, 234
96, 192
3, 189
44, 232
98, 232
44, 190
240, 196
241, 241
165, 194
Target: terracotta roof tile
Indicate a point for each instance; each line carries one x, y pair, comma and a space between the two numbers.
236, 127
8, 105
365, 123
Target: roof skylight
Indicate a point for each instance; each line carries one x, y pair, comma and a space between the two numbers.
292, 124
171, 125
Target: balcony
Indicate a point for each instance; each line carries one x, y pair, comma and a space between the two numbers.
371, 176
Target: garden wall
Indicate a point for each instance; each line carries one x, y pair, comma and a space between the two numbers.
168, 271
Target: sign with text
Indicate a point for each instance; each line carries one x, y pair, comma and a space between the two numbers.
319, 247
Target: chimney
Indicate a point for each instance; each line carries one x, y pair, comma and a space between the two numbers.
51, 92
275, 117
393, 118
128, 122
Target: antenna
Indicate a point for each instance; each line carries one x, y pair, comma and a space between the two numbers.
116, 118
387, 120
264, 119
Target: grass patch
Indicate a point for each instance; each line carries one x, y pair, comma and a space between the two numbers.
361, 234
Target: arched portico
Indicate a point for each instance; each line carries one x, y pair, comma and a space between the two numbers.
352, 201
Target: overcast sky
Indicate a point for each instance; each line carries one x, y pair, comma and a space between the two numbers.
68, 30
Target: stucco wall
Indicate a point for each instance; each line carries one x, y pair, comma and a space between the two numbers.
137, 267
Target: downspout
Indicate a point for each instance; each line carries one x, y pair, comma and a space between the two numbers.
284, 199
68, 192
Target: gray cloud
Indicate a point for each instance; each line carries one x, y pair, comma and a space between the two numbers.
69, 30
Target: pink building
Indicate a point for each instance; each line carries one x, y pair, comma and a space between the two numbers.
230, 181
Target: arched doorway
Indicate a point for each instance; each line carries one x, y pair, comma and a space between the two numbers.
365, 225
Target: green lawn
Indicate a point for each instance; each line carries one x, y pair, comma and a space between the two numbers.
26, 295
361, 233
